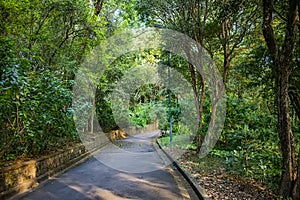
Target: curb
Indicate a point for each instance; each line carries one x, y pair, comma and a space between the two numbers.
199, 191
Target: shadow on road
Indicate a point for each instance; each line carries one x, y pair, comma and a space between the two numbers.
95, 179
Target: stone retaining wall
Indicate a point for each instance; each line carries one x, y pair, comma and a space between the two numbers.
135, 130
22, 176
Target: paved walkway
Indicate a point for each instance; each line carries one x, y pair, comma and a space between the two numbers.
130, 169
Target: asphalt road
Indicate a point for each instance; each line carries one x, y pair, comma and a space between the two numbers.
129, 169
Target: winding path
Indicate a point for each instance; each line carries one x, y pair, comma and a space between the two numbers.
133, 168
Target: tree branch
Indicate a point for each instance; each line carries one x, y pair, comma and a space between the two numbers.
290, 37
280, 16
268, 31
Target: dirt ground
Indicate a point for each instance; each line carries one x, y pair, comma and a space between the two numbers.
218, 184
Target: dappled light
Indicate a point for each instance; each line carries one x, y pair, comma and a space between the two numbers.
156, 99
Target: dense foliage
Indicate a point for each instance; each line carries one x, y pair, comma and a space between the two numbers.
42, 44
260, 64
35, 106
255, 45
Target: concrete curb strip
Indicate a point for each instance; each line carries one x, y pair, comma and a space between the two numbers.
182, 184
199, 191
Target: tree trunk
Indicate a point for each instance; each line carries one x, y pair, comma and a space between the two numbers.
295, 100
282, 58
198, 105
296, 190
225, 45
226, 65
198, 102
202, 87
93, 115
285, 131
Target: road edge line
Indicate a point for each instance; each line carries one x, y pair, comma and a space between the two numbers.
199, 191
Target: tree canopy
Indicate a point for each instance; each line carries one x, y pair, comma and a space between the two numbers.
254, 44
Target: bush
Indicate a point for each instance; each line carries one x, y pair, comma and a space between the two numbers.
35, 105
249, 142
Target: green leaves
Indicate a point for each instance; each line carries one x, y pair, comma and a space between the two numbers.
249, 142
41, 46
36, 113
140, 115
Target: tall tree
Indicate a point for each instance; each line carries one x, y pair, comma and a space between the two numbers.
228, 26
282, 54
188, 17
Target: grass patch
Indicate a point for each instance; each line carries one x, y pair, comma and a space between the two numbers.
178, 141
205, 166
